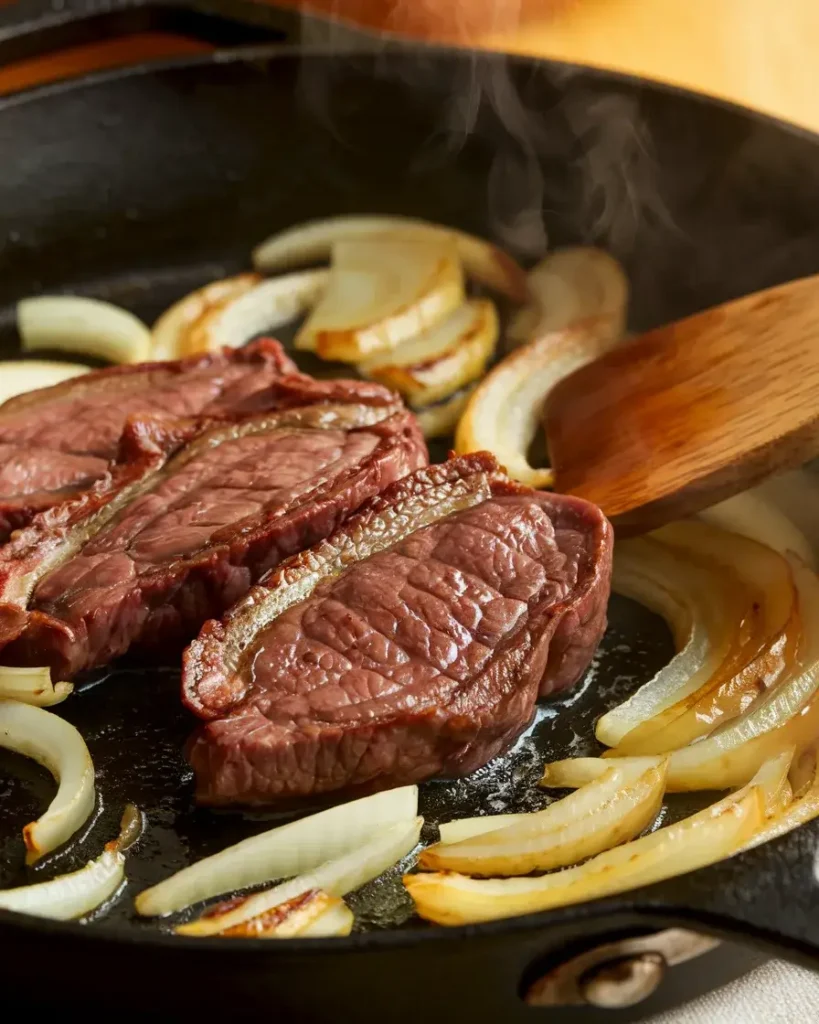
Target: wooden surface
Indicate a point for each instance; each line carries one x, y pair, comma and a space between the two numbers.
761, 53
690, 413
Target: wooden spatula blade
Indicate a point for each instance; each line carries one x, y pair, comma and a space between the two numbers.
688, 414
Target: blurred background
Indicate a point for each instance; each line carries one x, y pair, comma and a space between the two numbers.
761, 53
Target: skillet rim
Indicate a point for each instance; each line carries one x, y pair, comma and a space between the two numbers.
636, 904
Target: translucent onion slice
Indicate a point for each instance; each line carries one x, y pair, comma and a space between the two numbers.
79, 892
714, 834
574, 772
569, 285
31, 686
313, 242
56, 745
73, 323
336, 877
265, 307
441, 418
313, 914
503, 415
613, 809
170, 331
753, 515
705, 611
290, 849
447, 357
803, 808
380, 294
469, 828
22, 375
759, 658
787, 716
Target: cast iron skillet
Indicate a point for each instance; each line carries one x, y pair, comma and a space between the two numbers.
138, 185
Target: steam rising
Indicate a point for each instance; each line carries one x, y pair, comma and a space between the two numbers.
699, 203
613, 166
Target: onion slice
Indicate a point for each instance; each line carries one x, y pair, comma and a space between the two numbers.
714, 834
504, 413
79, 892
755, 516
32, 686
22, 375
313, 914
569, 285
609, 811
336, 877
788, 715
55, 744
291, 849
380, 294
267, 306
74, 323
803, 808
442, 360
469, 828
763, 647
313, 242
705, 612
171, 329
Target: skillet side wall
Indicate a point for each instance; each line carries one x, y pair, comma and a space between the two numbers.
141, 185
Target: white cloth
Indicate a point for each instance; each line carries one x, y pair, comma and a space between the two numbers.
774, 993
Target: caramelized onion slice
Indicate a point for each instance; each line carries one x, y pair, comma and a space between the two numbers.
79, 892
313, 243
705, 611
786, 716
73, 323
611, 810
56, 745
504, 413
764, 644
571, 285
32, 686
380, 294
266, 306
22, 375
447, 357
336, 877
171, 330
803, 808
714, 834
313, 914
290, 849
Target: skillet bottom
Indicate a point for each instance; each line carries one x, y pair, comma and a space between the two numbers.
135, 726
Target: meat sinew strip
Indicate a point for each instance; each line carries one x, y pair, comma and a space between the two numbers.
180, 529
57, 441
411, 643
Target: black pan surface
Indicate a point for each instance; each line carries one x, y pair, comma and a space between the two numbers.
138, 186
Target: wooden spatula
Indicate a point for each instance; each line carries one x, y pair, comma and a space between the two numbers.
691, 413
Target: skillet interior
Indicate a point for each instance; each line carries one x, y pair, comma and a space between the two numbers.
147, 184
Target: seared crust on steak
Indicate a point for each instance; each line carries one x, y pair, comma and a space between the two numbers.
411, 643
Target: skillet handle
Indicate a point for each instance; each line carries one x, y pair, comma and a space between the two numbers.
32, 29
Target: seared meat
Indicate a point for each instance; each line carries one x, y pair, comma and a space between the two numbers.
412, 643
57, 441
188, 520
